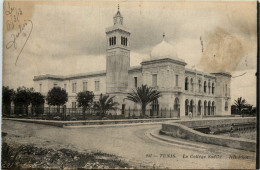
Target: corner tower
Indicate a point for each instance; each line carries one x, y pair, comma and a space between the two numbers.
117, 56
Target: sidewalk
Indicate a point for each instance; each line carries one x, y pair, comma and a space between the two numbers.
95, 123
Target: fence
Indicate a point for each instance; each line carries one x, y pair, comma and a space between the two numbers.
63, 113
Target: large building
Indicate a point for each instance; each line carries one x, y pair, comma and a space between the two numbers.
183, 90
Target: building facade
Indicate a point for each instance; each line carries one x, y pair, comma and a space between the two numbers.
183, 90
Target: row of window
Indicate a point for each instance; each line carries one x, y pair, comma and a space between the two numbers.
209, 107
74, 86
112, 41
85, 86
124, 41
209, 86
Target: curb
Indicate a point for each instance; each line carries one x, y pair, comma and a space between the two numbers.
155, 134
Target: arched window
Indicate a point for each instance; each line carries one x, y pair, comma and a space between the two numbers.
191, 106
177, 106
205, 107
226, 106
205, 86
199, 85
186, 83
199, 107
191, 82
209, 108
213, 88
114, 41
213, 108
186, 107
209, 86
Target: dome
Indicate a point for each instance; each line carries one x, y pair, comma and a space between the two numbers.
163, 50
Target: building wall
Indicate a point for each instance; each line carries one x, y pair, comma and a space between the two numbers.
166, 84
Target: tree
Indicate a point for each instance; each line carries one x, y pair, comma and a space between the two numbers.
104, 104
57, 97
22, 99
37, 100
143, 95
240, 104
84, 100
7, 98
248, 109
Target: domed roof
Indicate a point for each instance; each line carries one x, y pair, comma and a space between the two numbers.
163, 50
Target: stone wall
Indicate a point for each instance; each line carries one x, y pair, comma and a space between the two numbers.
184, 130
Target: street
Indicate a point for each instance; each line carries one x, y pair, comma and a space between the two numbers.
133, 144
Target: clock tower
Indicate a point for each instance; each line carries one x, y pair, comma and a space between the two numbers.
117, 56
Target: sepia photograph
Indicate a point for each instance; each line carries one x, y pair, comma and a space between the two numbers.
129, 84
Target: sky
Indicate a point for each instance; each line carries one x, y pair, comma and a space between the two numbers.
64, 38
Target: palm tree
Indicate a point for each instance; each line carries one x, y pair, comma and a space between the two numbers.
143, 95
104, 104
240, 103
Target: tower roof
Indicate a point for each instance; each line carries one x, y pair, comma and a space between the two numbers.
118, 18
163, 50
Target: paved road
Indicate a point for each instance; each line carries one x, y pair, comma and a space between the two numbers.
133, 144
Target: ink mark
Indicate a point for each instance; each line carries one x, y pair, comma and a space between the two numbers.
14, 22
239, 75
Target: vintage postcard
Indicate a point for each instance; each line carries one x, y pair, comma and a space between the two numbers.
129, 85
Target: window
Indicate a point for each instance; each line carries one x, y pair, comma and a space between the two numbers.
177, 80
154, 80
124, 41
85, 86
74, 105
123, 109
213, 88
112, 41
74, 87
186, 107
191, 82
40, 87
226, 106
205, 86
186, 83
199, 107
199, 85
135, 79
209, 87
65, 87
96, 85
155, 108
